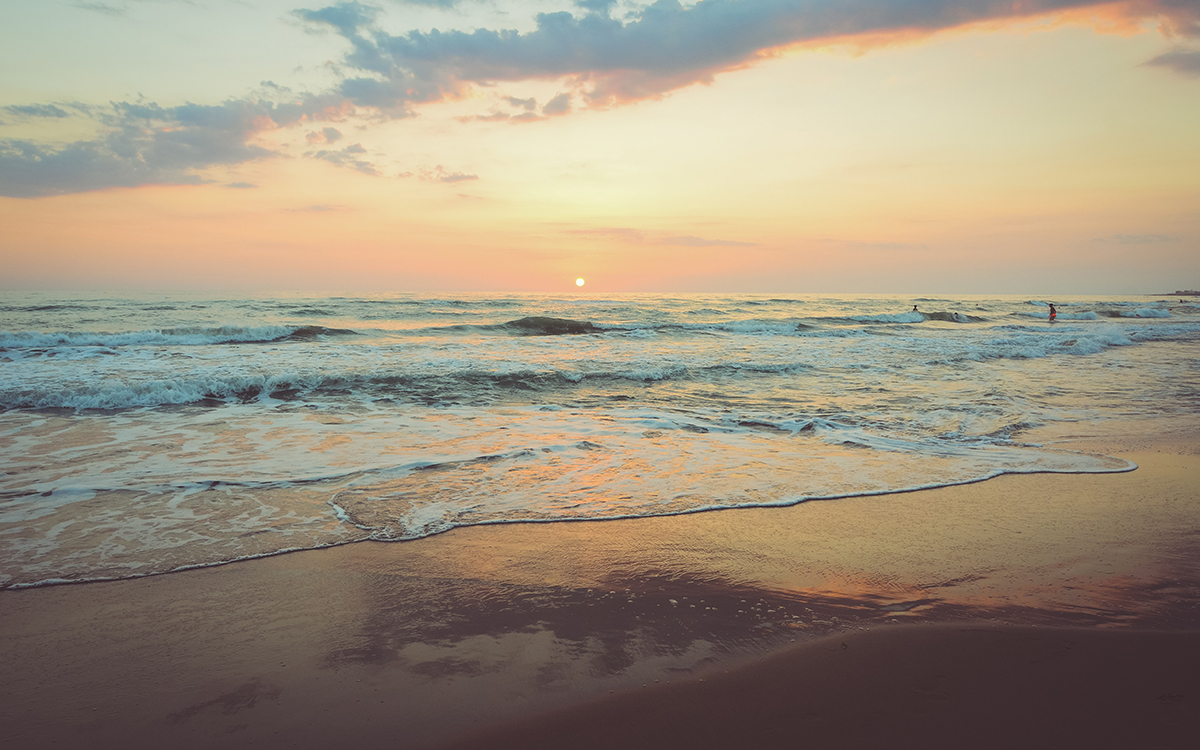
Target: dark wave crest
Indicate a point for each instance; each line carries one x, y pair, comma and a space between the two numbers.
541, 326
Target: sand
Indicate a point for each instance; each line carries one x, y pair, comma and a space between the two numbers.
963, 611
907, 686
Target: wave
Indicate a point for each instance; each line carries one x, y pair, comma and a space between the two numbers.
169, 336
543, 326
472, 385
1140, 312
466, 384
953, 317
315, 311
904, 317
1087, 315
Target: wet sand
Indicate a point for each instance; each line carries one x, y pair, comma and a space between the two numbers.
905, 686
935, 594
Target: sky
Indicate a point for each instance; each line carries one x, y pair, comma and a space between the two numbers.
804, 146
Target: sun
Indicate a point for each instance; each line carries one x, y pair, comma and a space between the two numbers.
578, 282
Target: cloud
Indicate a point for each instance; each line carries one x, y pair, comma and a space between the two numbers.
102, 8
346, 18
639, 237
559, 105
1185, 62
662, 47
144, 143
29, 170
600, 60
439, 174
529, 104
317, 208
1137, 239
348, 157
431, 3
596, 6
241, 185
691, 241
325, 135
36, 110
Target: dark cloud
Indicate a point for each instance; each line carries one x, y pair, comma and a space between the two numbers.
241, 185
36, 110
346, 18
348, 157
527, 104
1183, 61
664, 47
325, 135
559, 105
29, 170
144, 143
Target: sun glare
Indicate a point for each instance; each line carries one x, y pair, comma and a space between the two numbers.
578, 282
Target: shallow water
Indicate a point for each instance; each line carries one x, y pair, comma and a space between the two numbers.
149, 433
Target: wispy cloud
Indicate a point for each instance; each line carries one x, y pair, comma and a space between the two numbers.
102, 8
316, 208
36, 110
693, 241
1182, 61
1137, 239
440, 174
640, 237
350, 156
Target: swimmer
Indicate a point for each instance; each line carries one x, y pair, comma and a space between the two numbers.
1053, 312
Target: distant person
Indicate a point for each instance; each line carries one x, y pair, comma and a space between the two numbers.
914, 308
1053, 312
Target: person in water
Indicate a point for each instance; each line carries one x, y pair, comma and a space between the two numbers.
914, 308
1053, 312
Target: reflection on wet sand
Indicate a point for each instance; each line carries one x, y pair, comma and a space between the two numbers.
408, 644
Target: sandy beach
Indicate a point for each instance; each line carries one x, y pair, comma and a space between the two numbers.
1047, 610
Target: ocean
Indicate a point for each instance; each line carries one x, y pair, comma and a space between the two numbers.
146, 433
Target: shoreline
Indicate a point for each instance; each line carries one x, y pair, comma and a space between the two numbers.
413, 644
1130, 466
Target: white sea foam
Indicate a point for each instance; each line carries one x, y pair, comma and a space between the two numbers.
176, 337
184, 444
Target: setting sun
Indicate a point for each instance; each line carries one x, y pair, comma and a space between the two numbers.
578, 282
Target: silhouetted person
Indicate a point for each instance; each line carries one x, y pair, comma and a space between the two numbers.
1053, 312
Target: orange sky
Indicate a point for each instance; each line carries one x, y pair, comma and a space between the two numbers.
1052, 153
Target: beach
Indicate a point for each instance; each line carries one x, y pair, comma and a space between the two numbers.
1054, 609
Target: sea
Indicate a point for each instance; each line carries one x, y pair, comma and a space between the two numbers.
147, 433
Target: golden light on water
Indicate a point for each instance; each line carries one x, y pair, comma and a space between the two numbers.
578, 282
